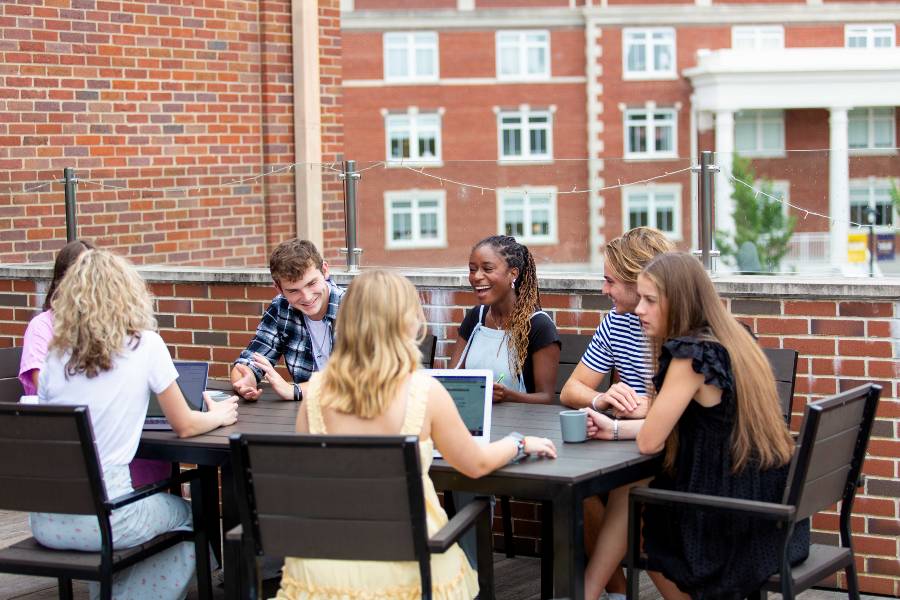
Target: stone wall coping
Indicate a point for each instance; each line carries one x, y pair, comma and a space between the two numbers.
744, 286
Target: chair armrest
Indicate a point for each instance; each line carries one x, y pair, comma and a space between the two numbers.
150, 489
235, 534
461, 521
763, 510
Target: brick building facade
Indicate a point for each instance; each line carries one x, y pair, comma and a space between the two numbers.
632, 90
160, 108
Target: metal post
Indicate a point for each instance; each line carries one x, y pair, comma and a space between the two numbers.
350, 177
873, 248
707, 170
70, 181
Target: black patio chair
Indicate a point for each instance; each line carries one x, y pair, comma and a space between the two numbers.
428, 347
784, 367
50, 465
345, 498
10, 386
826, 468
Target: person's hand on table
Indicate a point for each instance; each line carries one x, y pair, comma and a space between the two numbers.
224, 410
599, 426
284, 389
639, 412
246, 387
539, 446
499, 392
622, 398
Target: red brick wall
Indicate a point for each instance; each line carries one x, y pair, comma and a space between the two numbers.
150, 97
331, 65
842, 343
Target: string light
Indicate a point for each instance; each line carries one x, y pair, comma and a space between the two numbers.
806, 212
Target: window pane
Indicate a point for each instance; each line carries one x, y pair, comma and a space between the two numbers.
858, 132
744, 135
540, 222
662, 58
512, 142
428, 228
425, 204
402, 226
664, 138
858, 213
665, 219
538, 141
396, 62
637, 218
884, 134
771, 136
509, 61
637, 61
637, 139
537, 61
514, 222
427, 146
425, 62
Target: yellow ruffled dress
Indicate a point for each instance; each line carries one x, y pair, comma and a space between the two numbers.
452, 576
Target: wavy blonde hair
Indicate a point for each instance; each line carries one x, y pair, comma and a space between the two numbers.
375, 348
101, 306
628, 254
692, 307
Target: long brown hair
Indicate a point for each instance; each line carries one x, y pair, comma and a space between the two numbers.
528, 297
64, 259
691, 306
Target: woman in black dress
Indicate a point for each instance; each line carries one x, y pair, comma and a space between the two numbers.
716, 414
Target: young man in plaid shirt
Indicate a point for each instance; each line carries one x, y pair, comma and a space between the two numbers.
298, 325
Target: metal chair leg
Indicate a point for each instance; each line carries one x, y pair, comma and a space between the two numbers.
852, 583
65, 588
507, 527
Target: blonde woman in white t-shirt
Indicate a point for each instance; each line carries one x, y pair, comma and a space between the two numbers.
106, 354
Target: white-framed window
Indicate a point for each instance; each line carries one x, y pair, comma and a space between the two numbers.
871, 128
410, 57
525, 135
651, 133
875, 194
757, 37
413, 137
523, 54
655, 205
648, 53
415, 219
759, 132
869, 36
529, 214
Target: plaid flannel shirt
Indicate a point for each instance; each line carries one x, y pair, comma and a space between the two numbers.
282, 332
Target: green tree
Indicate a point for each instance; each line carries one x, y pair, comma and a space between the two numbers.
895, 196
759, 222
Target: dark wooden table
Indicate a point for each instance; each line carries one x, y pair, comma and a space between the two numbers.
580, 471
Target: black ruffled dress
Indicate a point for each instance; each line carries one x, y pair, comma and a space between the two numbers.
708, 554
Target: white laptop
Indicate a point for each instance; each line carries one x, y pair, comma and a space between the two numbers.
192, 381
472, 391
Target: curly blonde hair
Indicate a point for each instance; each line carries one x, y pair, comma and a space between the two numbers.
377, 346
100, 307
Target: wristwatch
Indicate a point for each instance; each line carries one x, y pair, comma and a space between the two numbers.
519, 439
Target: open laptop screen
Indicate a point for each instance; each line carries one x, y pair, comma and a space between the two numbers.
470, 392
192, 381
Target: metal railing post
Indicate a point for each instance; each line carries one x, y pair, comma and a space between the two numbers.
350, 177
70, 181
707, 170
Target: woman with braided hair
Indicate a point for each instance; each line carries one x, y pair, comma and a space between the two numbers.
508, 332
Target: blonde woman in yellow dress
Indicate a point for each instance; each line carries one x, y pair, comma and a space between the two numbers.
372, 386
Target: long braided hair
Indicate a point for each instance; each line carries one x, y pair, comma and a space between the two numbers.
528, 298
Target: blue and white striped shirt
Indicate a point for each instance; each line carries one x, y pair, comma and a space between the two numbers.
619, 342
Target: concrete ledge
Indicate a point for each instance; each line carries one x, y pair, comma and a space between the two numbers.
755, 286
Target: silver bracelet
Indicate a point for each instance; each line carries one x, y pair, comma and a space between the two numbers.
615, 430
594, 401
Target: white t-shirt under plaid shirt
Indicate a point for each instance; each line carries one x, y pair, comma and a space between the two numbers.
620, 342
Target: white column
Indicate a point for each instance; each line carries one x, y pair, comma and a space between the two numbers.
838, 186
724, 156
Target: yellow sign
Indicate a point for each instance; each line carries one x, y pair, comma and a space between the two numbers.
857, 246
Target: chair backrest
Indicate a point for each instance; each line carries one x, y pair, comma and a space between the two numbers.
428, 347
10, 386
573, 347
830, 451
347, 498
784, 367
49, 460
